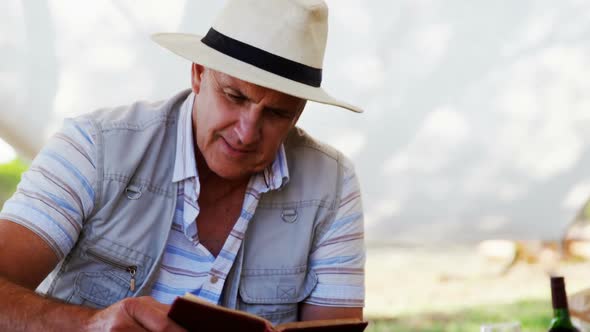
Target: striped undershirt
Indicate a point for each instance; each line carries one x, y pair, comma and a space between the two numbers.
57, 193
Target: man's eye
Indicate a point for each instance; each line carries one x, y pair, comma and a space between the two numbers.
233, 97
282, 114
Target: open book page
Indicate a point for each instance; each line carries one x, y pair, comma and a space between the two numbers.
331, 325
195, 314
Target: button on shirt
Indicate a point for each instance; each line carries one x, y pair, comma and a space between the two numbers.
57, 192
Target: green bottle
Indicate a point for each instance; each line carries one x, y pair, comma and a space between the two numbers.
561, 321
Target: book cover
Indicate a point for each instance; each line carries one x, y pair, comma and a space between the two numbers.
195, 314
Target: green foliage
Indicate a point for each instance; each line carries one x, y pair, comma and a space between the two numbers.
9, 177
533, 315
586, 213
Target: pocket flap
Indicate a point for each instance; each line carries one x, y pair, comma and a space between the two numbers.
111, 272
116, 258
277, 286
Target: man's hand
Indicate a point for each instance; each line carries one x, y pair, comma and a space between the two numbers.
134, 314
25, 259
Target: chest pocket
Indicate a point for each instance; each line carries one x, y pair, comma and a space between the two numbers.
110, 275
275, 294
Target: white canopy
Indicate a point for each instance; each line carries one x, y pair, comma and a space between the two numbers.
477, 112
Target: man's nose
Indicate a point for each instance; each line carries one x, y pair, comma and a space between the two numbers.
249, 126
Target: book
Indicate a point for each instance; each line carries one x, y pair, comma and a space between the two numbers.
195, 314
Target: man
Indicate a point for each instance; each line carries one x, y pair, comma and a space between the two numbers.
213, 192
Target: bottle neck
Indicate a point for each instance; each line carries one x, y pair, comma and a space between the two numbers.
561, 317
558, 296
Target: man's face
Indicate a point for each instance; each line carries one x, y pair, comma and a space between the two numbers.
239, 126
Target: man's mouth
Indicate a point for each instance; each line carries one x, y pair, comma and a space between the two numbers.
234, 150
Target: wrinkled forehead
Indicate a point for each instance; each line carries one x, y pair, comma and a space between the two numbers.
253, 91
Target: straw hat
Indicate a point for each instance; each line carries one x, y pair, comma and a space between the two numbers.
278, 44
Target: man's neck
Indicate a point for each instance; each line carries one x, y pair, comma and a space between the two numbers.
214, 187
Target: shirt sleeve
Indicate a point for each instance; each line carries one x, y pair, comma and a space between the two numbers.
57, 192
338, 257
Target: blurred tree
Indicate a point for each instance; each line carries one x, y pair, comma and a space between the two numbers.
10, 174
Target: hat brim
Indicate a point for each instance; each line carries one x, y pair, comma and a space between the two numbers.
190, 47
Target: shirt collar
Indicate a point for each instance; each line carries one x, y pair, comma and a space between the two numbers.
274, 177
184, 164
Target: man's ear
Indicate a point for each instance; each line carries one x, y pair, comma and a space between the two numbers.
197, 72
300, 112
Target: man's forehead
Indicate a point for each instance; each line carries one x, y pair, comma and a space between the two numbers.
228, 79
235, 82
246, 87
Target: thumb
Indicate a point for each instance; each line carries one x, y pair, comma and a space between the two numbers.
152, 315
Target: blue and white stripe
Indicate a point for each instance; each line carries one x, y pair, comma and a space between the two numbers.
57, 191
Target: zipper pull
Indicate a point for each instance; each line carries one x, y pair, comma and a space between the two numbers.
132, 270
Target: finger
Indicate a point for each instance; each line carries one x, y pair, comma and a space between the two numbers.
114, 318
152, 302
151, 315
